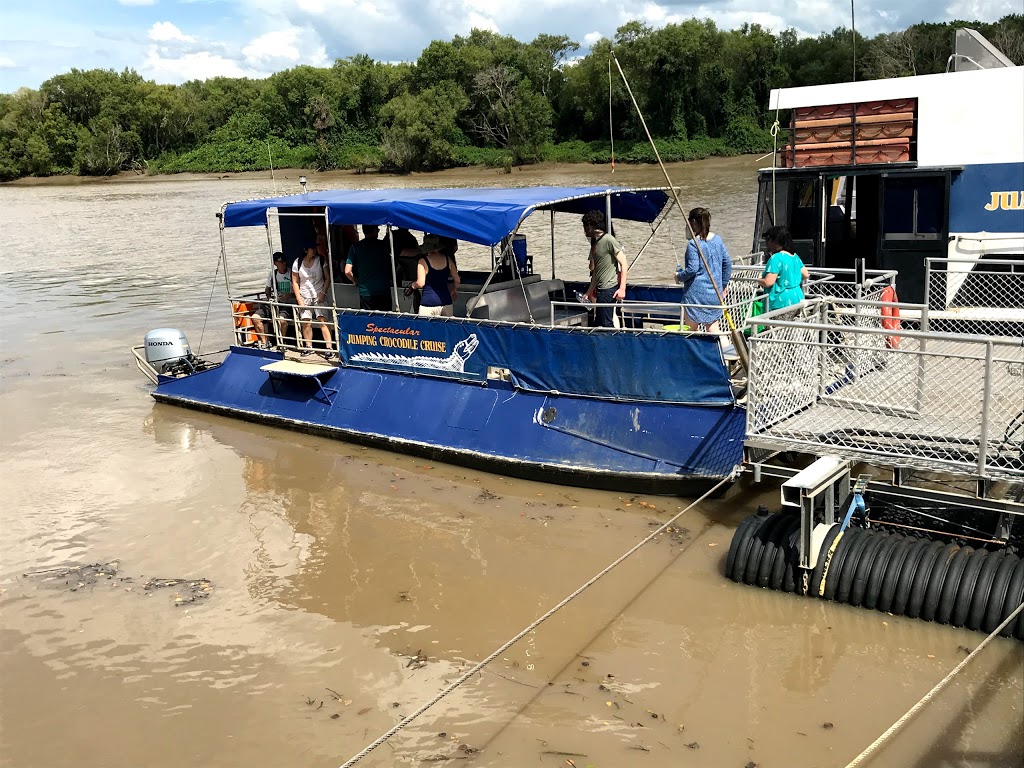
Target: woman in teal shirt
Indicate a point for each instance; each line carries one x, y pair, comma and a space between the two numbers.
784, 273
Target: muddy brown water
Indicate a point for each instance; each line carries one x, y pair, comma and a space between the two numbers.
334, 567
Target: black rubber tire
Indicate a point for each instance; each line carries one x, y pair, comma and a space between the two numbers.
926, 589
757, 547
997, 597
936, 581
786, 543
738, 539
885, 554
910, 566
983, 590
892, 574
771, 551
824, 561
967, 590
851, 564
835, 568
951, 585
868, 563
1014, 596
791, 570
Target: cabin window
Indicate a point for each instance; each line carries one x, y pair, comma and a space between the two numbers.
913, 209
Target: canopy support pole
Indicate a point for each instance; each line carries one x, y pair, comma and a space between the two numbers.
394, 273
552, 244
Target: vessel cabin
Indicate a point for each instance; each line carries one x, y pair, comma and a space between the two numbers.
901, 170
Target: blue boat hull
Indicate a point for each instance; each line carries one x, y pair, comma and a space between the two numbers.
616, 445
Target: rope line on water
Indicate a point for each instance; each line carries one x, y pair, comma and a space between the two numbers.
931, 694
524, 632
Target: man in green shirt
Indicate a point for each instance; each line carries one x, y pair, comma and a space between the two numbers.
607, 268
369, 267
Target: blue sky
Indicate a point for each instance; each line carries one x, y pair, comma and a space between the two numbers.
171, 41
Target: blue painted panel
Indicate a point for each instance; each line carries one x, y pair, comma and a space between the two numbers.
672, 368
988, 198
471, 408
360, 392
673, 440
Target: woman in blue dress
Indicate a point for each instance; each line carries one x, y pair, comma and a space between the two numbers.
697, 281
784, 273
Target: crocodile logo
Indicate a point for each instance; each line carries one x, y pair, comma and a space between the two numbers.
454, 363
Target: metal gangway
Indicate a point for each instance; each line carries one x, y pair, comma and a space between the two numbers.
837, 377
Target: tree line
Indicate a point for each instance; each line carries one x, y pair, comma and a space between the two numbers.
482, 98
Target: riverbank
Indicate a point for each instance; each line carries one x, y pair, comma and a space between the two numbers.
480, 175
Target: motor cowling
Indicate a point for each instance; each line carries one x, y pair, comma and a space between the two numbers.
165, 347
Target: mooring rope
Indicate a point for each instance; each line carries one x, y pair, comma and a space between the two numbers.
524, 632
213, 283
931, 694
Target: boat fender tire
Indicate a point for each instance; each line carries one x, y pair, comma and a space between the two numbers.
1014, 596
866, 567
905, 581
873, 589
739, 539
791, 570
951, 586
936, 581
759, 546
892, 574
983, 590
967, 590
851, 564
890, 317
926, 589
772, 552
826, 556
786, 542
831, 581
745, 561
1000, 588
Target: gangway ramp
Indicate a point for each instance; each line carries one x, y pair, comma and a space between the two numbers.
836, 378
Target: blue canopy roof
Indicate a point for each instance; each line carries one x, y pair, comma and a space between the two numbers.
478, 215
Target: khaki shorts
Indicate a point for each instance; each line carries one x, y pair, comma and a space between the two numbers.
445, 310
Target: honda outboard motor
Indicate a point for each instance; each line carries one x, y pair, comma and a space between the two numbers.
166, 348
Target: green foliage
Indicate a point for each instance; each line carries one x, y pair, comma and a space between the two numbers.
478, 99
421, 131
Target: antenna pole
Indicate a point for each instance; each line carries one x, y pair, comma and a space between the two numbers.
853, 30
271, 166
611, 125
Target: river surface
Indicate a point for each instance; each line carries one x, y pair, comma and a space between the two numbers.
349, 584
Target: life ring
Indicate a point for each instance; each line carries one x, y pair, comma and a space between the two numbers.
240, 311
890, 316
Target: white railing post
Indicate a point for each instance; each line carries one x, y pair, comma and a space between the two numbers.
985, 411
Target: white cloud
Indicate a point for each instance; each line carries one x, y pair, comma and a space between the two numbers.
285, 48
201, 65
165, 32
6, 62
982, 9
592, 37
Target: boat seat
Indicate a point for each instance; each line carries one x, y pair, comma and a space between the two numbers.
530, 302
299, 370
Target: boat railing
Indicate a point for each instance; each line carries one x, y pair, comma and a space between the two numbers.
281, 323
837, 377
969, 295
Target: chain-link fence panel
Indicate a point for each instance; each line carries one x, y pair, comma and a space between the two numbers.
840, 382
976, 296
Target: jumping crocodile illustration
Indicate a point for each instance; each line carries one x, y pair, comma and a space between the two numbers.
455, 362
